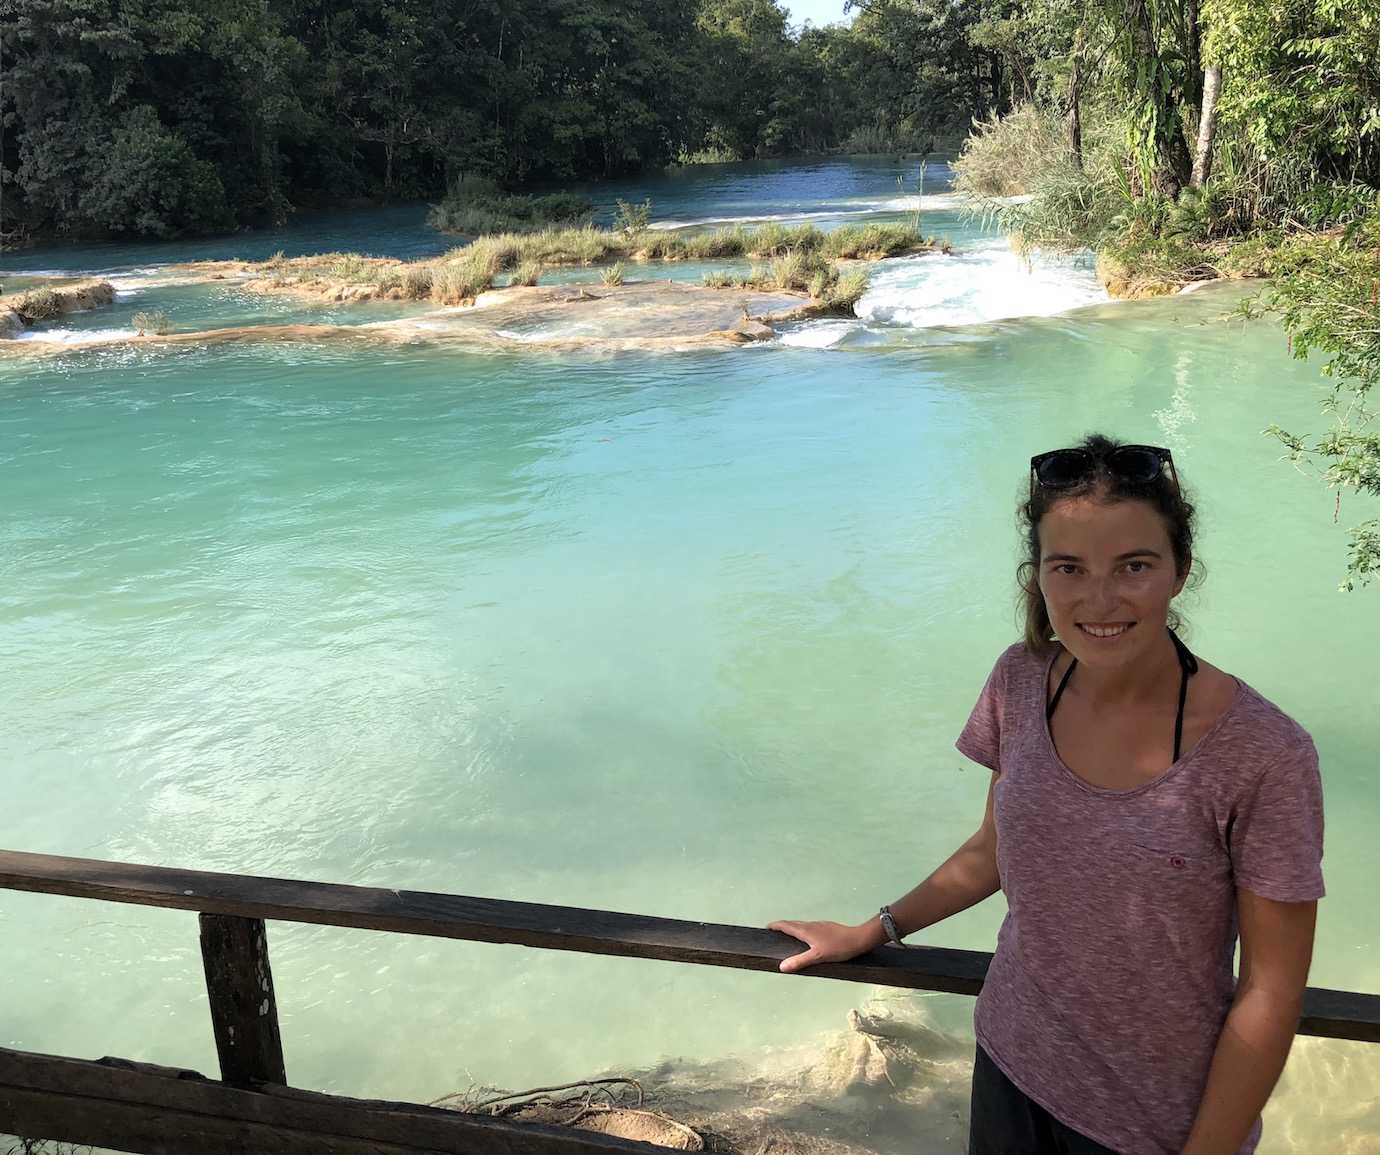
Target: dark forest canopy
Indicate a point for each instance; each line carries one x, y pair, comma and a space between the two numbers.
160, 117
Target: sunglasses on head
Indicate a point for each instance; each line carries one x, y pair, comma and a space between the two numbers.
1066, 468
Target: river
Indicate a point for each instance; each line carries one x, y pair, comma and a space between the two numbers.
688, 634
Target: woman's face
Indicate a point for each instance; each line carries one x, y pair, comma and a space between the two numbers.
1107, 575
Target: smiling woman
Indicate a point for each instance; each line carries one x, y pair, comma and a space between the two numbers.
1133, 832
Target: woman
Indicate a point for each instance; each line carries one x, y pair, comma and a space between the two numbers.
1144, 805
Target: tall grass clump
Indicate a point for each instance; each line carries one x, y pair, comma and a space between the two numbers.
845, 291
527, 274
350, 267
417, 282
456, 282
612, 275
662, 246
873, 241
1008, 155
798, 271
716, 244
773, 239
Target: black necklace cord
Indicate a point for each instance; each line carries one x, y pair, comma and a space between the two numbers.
1188, 666
1059, 693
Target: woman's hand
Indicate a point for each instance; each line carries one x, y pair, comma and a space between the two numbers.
828, 942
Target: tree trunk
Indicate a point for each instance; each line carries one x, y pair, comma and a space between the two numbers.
1207, 126
1193, 66
1075, 102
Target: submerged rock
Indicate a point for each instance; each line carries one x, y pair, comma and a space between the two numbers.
11, 323
637, 315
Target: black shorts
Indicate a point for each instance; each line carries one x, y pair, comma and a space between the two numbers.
1005, 1121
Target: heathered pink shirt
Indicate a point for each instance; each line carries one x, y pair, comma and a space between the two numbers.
1113, 969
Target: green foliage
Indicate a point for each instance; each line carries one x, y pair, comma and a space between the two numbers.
146, 180
1302, 80
1325, 290
1334, 203
631, 220
1009, 155
873, 241
528, 273
154, 321
612, 275
162, 118
476, 206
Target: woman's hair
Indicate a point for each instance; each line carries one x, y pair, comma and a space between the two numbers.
1170, 503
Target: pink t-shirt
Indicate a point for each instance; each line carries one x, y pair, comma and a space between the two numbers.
1113, 969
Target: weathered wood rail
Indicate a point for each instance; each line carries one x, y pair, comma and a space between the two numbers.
144, 1108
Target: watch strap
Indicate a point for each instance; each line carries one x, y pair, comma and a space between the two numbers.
889, 925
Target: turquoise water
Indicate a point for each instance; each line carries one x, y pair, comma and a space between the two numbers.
686, 634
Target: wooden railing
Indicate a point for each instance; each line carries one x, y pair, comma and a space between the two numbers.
140, 1107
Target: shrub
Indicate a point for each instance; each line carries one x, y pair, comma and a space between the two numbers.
528, 273
631, 219
155, 320
38, 305
710, 154
477, 207
1007, 155
847, 289
613, 275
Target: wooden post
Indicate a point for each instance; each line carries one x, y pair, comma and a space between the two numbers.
244, 1013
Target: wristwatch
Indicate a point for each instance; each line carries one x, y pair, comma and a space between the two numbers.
889, 925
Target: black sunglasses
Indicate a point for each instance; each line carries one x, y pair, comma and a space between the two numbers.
1065, 468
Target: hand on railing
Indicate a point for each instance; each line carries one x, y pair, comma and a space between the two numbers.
828, 942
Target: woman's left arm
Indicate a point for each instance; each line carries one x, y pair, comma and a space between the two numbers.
1276, 950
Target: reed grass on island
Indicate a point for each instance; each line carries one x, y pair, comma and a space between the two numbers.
797, 257
799, 271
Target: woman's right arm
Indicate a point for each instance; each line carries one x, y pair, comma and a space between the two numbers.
967, 877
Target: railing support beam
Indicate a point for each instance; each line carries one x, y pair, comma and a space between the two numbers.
244, 1013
